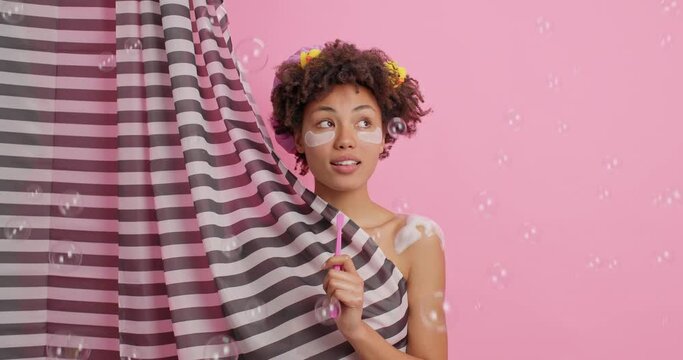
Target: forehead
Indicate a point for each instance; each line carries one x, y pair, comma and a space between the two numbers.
343, 98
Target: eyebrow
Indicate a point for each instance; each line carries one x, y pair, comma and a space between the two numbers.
327, 108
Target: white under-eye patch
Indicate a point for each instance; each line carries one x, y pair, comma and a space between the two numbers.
313, 139
373, 137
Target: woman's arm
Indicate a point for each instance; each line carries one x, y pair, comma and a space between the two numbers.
426, 339
427, 335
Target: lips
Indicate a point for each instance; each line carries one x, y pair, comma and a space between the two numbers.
345, 164
345, 160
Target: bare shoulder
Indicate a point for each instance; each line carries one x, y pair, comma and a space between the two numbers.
423, 249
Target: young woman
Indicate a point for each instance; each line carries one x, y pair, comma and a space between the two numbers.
338, 109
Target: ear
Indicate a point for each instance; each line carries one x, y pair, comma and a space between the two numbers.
298, 143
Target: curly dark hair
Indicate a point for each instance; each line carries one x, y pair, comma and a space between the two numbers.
343, 63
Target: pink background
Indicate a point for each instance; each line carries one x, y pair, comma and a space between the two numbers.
568, 115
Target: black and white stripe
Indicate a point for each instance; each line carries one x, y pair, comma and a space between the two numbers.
173, 165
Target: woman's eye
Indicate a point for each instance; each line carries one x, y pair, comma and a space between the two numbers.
325, 123
365, 123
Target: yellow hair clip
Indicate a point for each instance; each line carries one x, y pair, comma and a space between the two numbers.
306, 56
398, 73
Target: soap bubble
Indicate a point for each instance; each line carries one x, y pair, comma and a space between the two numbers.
327, 309
664, 257
669, 197
562, 127
231, 248
543, 25
502, 158
612, 264
669, 6
70, 203
12, 12
106, 62
514, 119
530, 233
397, 127
35, 193
604, 193
610, 163
594, 262
17, 229
499, 276
128, 352
485, 204
65, 256
221, 347
553, 82
251, 55
665, 41
255, 309
132, 46
433, 311
400, 205
64, 345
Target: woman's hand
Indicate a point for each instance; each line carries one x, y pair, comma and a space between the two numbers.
348, 287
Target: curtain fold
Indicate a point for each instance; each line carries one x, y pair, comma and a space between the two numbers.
145, 213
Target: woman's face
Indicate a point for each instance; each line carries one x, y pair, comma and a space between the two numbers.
342, 137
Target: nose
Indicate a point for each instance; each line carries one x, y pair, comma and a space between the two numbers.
345, 138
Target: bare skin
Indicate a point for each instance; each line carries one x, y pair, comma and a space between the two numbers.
348, 111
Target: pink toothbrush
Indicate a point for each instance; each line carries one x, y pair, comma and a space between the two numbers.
340, 224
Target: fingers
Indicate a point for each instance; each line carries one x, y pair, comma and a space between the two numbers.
345, 285
343, 260
342, 280
351, 299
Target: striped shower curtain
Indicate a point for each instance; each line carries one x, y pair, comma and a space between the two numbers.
144, 212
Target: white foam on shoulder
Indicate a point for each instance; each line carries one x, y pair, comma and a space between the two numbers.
410, 233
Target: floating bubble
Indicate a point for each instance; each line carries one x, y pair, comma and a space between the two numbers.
127, 352
327, 309
669, 6
499, 276
132, 46
64, 345
35, 193
221, 347
514, 119
65, 256
231, 248
562, 127
478, 306
664, 257
12, 12
553, 82
397, 127
376, 235
251, 55
604, 194
106, 62
433, 311
610, 163
669, 197
502, 158
485, 204
70, 203
543, 25
255, 309
530, 233
594, 262
400, 205
612, 264
17, 229
665, 41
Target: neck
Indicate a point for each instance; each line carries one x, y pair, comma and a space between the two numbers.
356, 203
